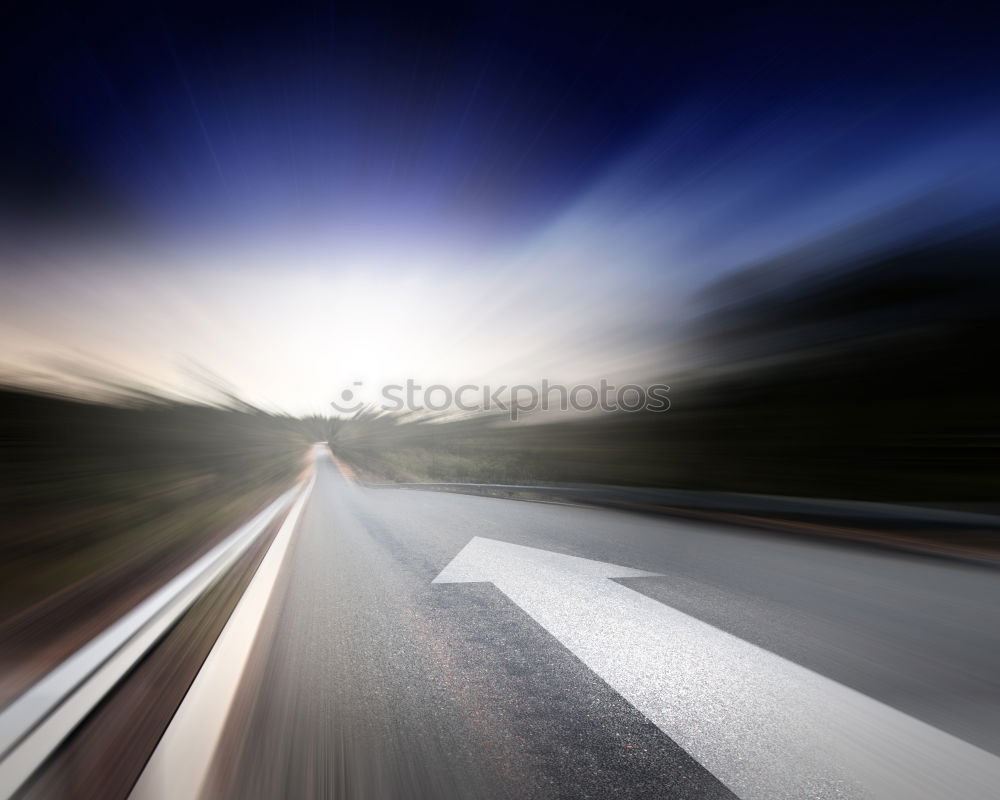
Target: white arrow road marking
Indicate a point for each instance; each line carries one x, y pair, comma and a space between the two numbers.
768, 728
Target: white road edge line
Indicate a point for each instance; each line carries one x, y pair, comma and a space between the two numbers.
38, 721
179, 766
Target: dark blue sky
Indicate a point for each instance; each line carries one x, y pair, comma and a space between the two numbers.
301, 196
485, 122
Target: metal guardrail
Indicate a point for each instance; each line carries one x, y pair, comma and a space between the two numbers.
180, 765
40, 719
730, 502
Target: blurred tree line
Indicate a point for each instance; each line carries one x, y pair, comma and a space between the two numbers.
87, 487
869, 378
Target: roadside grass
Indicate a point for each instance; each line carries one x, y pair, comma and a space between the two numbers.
98, 488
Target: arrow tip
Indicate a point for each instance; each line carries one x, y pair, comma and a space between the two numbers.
489, 560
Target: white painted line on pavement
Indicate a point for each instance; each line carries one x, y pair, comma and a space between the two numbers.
179, 766
38, 721
768, 728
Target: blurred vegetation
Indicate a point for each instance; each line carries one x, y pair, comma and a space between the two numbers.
872, 380
121, 486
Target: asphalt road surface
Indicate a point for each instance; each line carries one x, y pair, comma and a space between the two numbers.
371, 680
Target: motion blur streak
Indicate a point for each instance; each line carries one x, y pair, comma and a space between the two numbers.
218, 219
103, 502
188, 746
301, 200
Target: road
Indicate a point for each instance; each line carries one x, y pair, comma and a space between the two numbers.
369, 679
